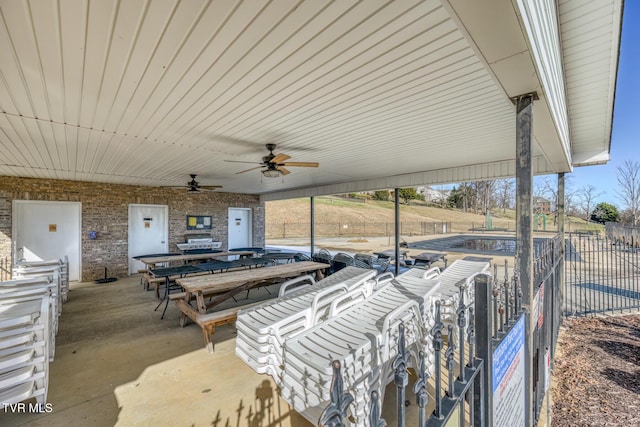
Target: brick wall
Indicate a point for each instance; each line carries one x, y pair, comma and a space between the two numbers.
105, 210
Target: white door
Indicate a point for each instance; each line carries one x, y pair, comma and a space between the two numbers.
148, 232
48, 230
240, 228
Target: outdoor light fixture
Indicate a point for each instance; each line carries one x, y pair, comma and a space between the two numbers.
271, 173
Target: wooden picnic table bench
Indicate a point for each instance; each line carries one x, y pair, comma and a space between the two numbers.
225, 286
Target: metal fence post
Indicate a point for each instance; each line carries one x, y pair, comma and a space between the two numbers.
334, 414
401, 377
483, 402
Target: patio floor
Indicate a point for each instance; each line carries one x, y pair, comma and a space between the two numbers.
118, 363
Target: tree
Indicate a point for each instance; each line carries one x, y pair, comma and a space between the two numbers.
455, 197
381, 195
482, 195
547, 188
505, 193
629, 188
604, 212
588, 195
408, 194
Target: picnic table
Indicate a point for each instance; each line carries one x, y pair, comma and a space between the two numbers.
280, 256
225, 286
153, 260
427, 258
166, 273
391, 253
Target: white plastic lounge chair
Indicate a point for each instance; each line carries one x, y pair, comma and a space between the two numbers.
458, 275
263, 329
31, 269
25, 347
364, 339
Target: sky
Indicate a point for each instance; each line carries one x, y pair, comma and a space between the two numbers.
625, 141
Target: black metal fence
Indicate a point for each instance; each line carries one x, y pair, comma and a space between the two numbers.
283, 230
602, 274
546, 316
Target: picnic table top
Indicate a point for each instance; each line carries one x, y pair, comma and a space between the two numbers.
190, 257
174, 271
429, 256
391, 253
233, 278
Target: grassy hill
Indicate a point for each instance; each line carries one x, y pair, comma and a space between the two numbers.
340, 216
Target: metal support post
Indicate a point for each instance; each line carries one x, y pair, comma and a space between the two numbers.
524, 227
397, 229
312, 232
483, 402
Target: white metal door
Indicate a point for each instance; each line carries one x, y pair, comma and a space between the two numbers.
240, 228
48, 230
148, 232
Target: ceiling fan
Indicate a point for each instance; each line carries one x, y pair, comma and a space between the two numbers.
194, 186
274, 164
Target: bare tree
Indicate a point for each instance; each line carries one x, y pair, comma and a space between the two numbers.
547, 187
588, 195
505, 193
629, 188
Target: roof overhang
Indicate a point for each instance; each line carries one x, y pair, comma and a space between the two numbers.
381, 94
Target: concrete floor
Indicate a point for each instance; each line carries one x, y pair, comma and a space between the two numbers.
118, 363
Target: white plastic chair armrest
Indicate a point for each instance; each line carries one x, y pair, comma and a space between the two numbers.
284, 288
431, 273
339, 305
318, 299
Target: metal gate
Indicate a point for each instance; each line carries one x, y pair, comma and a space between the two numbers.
601, 274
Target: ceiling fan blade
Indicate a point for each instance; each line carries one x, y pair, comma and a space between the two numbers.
302, 164
209, 187
252, 169
279, 158
242, 161
283, 170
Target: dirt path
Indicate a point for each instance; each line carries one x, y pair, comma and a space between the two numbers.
596, 381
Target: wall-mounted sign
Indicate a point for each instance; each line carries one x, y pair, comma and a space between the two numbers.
53, 228
198, 222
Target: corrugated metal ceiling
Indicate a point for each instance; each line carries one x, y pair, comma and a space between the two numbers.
147, 92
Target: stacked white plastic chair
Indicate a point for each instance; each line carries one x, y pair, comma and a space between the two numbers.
28, 320
364, 338
30, 269
262, 330
458, 276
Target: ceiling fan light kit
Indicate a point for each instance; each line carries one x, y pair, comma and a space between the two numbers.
275, 164
271, 173
194, 186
